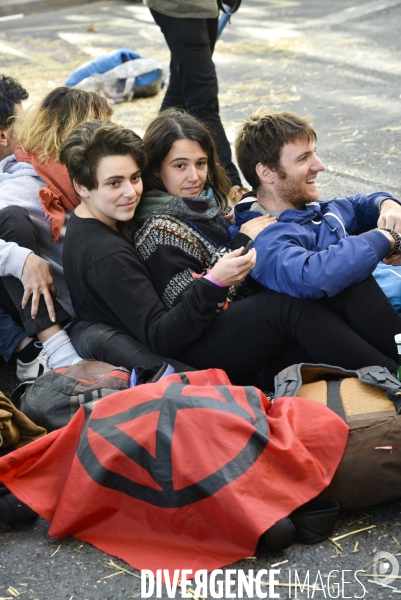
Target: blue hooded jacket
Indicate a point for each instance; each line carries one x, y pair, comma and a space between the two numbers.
317, 251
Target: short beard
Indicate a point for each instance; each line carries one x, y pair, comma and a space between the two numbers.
290, 192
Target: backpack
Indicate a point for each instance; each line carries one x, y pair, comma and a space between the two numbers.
101, 64
16, 430
121, 75
369, 400
53, 398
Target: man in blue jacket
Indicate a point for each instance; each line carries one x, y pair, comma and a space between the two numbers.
317, 248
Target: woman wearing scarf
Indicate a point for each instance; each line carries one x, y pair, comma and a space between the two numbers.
190, 233
184, 235
36, 199
177, 305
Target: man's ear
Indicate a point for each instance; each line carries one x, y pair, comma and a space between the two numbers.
265, 174
4, 137
81, 190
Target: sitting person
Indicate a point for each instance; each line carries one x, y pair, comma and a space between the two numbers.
110, 282
14, 342
36, 198
317, 248
175, 243
11, 96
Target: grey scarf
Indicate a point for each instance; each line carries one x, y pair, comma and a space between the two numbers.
204, 207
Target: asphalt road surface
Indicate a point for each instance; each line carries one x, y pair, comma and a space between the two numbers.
338, 61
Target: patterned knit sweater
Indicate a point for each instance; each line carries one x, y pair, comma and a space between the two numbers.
176, 251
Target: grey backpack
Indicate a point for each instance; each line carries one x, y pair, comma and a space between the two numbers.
53, 398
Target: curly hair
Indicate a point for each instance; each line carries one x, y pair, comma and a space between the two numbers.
43, 129
11, 93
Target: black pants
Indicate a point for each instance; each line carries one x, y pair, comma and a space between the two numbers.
16, 226
193, 80
95, 341
277, 330
266, 333
366, 308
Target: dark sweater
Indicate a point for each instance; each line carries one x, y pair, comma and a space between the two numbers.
110, 284
173, 249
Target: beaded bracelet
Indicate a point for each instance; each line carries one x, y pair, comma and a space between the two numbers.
397, 239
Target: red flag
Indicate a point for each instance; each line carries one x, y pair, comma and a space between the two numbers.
185, 473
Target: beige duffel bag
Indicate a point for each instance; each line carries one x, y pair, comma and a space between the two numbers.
369, 400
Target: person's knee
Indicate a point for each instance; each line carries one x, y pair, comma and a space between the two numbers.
95, 341
15, 224
13, 212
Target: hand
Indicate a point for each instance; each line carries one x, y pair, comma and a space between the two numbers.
230, 217
234, 267
395, 260
388, 236
390, 215
253, 227
37, 280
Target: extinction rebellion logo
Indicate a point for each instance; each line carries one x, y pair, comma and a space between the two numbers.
160, 467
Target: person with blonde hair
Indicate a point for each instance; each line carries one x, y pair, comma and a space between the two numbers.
43, 129
36, 199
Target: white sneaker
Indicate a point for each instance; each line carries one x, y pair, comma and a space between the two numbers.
34, 369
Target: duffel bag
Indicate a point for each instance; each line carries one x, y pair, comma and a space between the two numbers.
369, 400
53, 398
121, 75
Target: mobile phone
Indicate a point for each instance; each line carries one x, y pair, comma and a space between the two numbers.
247, 247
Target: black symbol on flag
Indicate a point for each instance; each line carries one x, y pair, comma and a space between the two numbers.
160, 468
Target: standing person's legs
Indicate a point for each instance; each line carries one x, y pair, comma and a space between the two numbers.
368, 311
173, 96
193, 79
256, 331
